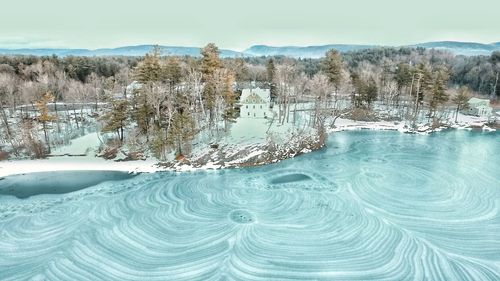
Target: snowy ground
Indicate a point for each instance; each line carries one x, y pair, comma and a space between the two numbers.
80, 146
78, 155
463, 122
248, 139
75, 163
246, 144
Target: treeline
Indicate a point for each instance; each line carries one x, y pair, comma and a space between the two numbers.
154, 103
478, 73
77, 68
177, 99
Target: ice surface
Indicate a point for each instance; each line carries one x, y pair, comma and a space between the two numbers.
26, 185
371, 206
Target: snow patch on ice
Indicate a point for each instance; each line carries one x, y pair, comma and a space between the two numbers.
68, 163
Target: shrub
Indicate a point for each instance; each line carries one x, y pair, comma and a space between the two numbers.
4, 155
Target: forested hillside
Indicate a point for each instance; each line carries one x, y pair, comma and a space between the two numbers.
160, 104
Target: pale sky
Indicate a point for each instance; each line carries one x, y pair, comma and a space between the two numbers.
237, 24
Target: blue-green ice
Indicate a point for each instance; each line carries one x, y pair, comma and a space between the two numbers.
371, 206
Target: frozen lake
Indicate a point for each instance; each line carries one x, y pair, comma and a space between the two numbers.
372, 206
26, 185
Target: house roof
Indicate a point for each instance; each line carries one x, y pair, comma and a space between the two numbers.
255, 96
132, 87
479, 102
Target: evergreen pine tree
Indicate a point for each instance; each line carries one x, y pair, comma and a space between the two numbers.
438, 94
159, 145
403, 76
182, 128
370, 93
117, 118
210, 63
209, 97
230, 112
149, 73
150, 70
332, 66
210, 60
172, 72
271, 75
461, 100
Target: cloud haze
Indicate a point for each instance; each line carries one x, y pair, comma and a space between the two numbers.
238, 24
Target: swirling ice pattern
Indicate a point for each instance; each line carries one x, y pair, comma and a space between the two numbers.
372, 206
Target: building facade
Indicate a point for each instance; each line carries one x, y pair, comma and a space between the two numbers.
478, 107
255, 103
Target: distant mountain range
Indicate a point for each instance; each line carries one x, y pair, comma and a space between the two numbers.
459, 48
463, 48
139, 50
303, 52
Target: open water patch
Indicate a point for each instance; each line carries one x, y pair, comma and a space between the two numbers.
60, 182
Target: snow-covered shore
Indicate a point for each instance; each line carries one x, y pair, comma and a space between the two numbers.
78, 156
75, 163
463, 122
228, 156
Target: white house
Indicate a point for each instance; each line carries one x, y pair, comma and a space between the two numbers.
129, 91
135, 85
255, 103
479, 107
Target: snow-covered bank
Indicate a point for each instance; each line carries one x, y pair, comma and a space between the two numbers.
246, 156
79, 155
235, 156
422, 127
248, 144
75, 163
242, 149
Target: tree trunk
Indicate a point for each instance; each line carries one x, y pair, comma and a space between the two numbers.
494, 93
8, 131
57, 120
76, 117
46, 136
121, 132
415, 114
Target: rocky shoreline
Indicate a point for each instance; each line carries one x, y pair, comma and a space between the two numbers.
248, 156
267, 154
224, 156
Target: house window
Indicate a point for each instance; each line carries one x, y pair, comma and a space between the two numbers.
261, 107
247, 106
254, 107
248, 113
254, 115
